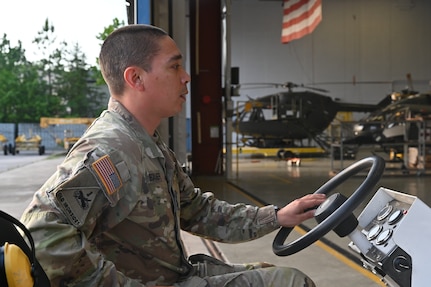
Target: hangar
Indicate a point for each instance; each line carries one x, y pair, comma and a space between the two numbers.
361, 52
345, 56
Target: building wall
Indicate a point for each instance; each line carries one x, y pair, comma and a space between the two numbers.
372, 43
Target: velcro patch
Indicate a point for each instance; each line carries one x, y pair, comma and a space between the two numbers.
76, 204
76, 196
107, 174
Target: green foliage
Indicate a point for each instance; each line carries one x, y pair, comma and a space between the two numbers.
102, 36
108, 30
60, 84
21, 88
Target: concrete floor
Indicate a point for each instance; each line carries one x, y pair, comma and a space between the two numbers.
277, 182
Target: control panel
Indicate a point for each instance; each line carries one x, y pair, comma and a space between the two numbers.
395, 230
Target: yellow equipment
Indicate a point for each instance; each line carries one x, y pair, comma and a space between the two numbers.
19, 266
5, 146
32, 143
16, 266
69, 139
3, 139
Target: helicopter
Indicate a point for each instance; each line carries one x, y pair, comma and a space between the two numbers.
395, 123
282, 119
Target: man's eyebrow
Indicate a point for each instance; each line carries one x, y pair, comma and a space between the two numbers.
176, 58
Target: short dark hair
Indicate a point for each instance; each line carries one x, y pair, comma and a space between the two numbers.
132, 45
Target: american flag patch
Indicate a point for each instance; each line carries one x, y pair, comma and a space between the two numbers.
108, 174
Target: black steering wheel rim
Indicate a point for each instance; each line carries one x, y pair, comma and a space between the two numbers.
377, 166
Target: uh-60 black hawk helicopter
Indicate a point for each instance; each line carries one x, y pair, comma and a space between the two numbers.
283, 119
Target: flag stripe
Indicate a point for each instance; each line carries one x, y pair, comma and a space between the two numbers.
300, 33
296, 9
107, 174
300, 17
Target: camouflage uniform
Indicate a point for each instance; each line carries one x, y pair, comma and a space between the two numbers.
112, 212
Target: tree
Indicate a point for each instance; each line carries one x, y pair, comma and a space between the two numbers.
69, 77
102, 36
76, 87
22, 92
60, 84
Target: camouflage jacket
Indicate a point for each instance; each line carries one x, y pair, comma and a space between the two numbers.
112, 212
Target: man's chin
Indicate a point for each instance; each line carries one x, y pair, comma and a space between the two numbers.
177, 112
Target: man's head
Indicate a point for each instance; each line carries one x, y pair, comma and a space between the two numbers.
144, 70
132, 45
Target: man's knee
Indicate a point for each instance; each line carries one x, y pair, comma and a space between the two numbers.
295, 277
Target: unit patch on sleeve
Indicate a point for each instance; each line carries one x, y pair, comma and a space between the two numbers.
76, 196
76, 203
107, 174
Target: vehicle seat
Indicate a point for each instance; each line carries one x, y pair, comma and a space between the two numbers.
14, 251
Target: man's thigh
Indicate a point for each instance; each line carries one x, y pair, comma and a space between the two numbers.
271, 276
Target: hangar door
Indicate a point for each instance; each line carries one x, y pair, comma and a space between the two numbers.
206, 87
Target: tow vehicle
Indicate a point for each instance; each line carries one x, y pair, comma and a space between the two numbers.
391, 234
3, 141
28, 143
22, 142
69, 138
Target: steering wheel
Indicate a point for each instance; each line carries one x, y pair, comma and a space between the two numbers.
341, 213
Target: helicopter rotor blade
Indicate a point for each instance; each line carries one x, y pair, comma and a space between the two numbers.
316, 89
290, 85
351, 83
252, 86
286, 85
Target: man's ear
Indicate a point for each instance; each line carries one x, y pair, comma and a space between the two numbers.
133, 78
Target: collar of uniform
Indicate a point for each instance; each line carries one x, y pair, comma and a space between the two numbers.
117, 107
150, 142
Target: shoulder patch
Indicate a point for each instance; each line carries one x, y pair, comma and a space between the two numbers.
111, 173
107, 174
76, 196
76, 204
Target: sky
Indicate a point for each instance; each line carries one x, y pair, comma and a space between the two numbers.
74, 21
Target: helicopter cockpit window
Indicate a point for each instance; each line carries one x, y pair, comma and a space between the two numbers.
289, 114
290, 109
257, 115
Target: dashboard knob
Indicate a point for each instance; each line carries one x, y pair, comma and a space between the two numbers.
401, 264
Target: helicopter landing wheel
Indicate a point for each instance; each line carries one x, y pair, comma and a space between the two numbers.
288, 155
280, 153
285, 154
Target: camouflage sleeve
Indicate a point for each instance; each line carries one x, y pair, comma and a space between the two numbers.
61, 218
68, 258
204, 215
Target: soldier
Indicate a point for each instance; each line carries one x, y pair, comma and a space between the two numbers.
112, 212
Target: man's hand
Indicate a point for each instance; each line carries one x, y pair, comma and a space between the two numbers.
299, 210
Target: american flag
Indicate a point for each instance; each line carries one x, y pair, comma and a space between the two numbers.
107, 174
300, 17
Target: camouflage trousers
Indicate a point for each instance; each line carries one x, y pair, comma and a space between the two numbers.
210, 272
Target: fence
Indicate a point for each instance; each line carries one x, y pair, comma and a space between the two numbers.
50, 135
